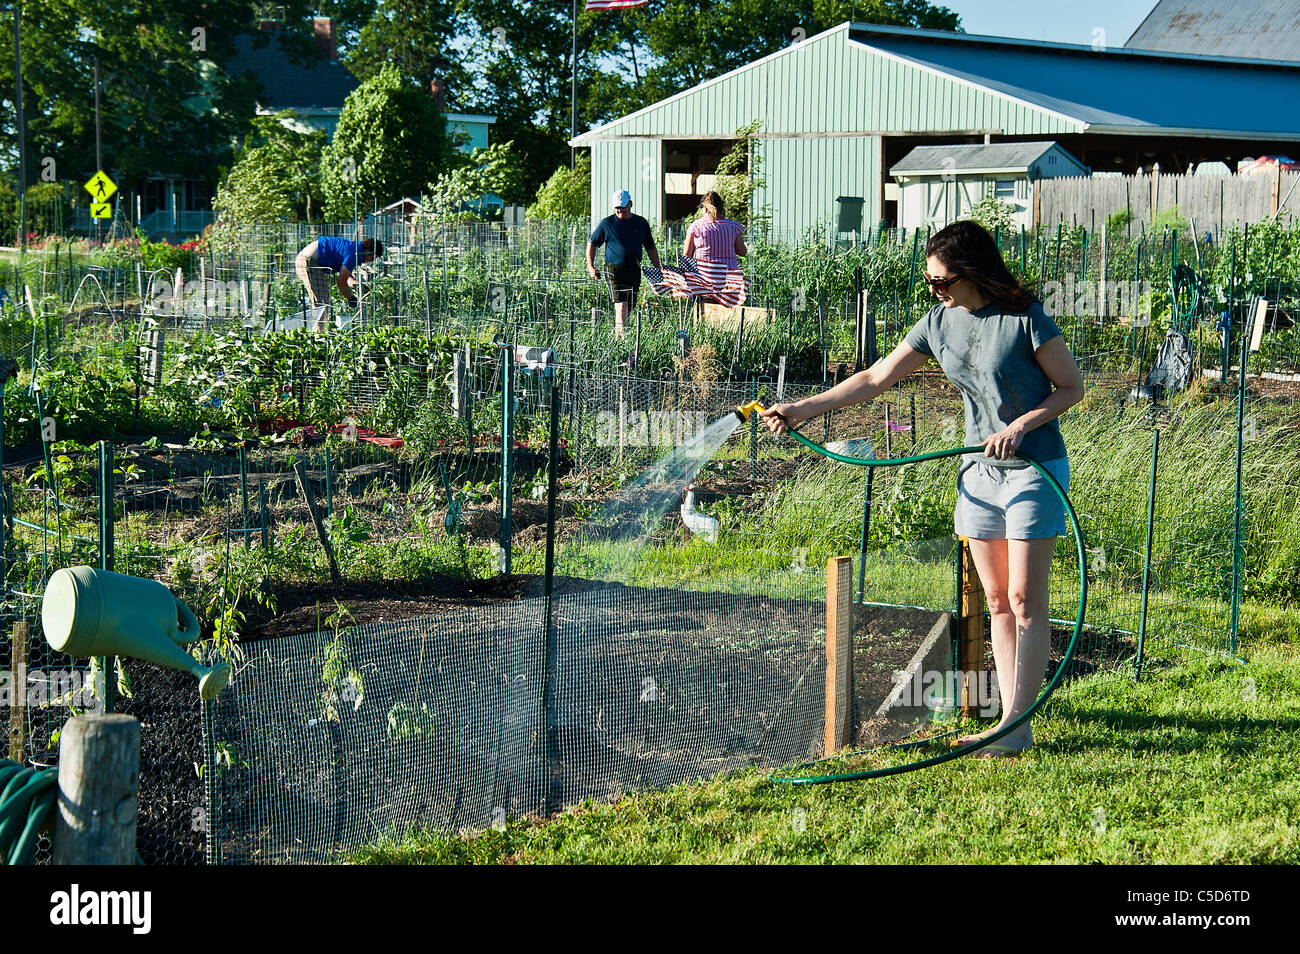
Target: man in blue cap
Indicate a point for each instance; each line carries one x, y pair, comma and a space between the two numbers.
328, 256
624, 236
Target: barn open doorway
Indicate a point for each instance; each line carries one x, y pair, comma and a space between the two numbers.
690, 166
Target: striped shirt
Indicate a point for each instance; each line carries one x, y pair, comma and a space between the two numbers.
715, 240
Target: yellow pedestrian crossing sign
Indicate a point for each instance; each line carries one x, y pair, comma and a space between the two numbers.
100, 188
101, 210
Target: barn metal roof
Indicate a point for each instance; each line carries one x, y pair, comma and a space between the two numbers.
1115, 89
972, 157
1266, 29
862, 79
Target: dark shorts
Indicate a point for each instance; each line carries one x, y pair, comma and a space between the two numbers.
624, 283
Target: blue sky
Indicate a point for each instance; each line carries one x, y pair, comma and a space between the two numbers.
1060, 21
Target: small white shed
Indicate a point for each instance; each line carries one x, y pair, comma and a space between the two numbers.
941, 184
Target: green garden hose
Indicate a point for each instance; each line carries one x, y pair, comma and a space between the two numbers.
1184, 297
27, 796
1052, 683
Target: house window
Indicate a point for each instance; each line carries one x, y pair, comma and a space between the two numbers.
1004, 188
198, 196
155, 196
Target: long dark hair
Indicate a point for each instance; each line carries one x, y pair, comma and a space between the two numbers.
968, 250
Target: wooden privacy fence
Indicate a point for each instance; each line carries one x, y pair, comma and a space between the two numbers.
1214, 203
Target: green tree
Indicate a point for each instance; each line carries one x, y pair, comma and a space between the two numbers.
166, 102
739, 177
519, 51
277, 175
391, 140
566, 194
686, 42
494, 170
415, 37
522, 61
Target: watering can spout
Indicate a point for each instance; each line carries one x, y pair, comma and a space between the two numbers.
745, 410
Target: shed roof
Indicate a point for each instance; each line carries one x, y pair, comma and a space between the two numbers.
1266, 29
971, 157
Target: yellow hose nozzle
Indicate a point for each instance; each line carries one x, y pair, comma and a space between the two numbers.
745, 410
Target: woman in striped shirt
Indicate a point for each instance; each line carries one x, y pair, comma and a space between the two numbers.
714, 239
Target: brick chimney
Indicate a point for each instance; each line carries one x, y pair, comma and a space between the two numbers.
325, 38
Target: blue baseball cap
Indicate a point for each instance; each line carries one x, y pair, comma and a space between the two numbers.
621, 199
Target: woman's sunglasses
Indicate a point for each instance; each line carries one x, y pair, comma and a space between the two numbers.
941, 285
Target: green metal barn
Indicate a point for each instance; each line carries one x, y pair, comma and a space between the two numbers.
839, 109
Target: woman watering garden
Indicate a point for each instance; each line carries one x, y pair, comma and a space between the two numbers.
1006, 355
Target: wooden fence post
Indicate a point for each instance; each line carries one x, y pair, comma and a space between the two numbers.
18, 692
839, 652
99, 782
970, 630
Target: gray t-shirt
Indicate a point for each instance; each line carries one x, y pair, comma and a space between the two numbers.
989, 355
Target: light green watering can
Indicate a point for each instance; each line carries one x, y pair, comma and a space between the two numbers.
89, 612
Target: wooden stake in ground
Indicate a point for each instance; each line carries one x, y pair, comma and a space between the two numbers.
300, 475
99, 782
18, 693
839, 652
970, 630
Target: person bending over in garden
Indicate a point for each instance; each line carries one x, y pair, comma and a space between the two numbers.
327, 257
624, 236
1006, 355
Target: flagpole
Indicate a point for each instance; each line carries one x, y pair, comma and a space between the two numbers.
573, 92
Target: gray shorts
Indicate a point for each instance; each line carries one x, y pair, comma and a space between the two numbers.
1009, 503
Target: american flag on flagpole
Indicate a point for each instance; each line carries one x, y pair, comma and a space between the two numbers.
713, 281
614, 4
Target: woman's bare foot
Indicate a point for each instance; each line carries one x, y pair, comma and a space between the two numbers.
1017, 741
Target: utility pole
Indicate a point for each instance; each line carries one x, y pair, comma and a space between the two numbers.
99, 162
22, 136
99, 159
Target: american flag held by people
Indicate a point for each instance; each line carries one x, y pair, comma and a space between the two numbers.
692, 278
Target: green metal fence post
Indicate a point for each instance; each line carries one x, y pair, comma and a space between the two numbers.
753, 434
866, 533
1146, 561
265, 515
107, 687
550, 725
1236, 520
243, 495
507, 452
211, 839
4, 497
329, 482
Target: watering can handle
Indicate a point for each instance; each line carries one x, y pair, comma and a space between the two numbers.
187, 628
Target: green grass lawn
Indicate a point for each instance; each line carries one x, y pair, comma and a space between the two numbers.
1195, 764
